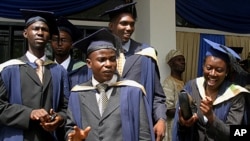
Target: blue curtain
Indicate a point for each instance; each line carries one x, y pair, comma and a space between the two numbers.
224, 15
10, 8
204, 46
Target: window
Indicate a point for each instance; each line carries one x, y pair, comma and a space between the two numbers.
14, 45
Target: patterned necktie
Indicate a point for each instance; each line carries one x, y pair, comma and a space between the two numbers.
120, 63
39, 69
103, 97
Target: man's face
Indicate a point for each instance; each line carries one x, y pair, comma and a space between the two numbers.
103, 64
123, 26
178, 64
61, 45
37, 35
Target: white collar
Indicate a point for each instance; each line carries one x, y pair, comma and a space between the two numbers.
33, 58
65, 63
112, 81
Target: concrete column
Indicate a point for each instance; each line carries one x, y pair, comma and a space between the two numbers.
156, 26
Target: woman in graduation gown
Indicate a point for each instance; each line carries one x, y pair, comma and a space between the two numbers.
219, 102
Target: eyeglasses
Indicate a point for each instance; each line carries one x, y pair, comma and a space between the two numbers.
61, 40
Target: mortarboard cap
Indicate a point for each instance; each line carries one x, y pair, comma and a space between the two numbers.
225, 53
173, 53
65, 25
101, 39
220, 51
32, 16
124, 8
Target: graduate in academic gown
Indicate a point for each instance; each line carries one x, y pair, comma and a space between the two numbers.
141, 63
62, 49
220, 102
127, 115
33, 109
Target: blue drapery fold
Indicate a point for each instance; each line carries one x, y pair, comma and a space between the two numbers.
204, 46
224, 15
10, 8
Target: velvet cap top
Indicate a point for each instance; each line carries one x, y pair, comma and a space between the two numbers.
123, 8
101, 39
32, 16
220, 51
65, 25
